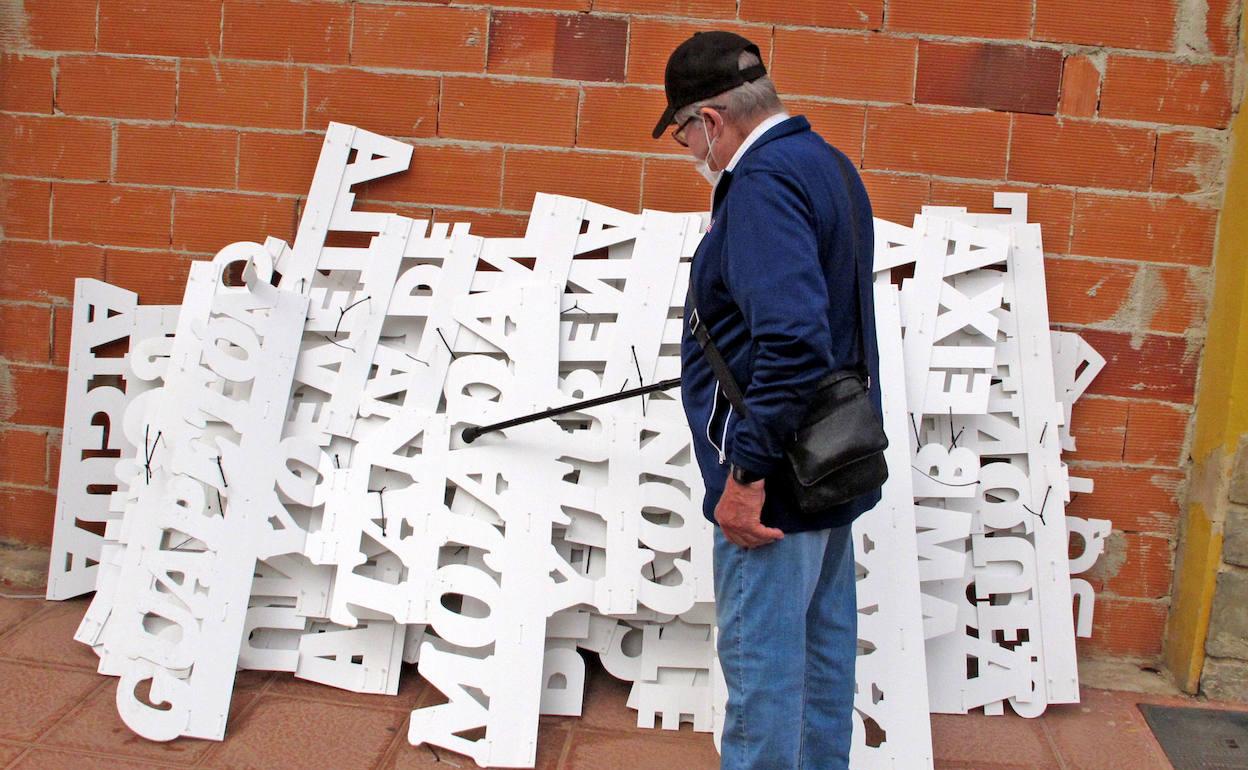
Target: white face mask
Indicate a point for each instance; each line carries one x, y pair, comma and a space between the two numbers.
704, 165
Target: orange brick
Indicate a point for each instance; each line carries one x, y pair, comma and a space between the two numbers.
508, 111
522, 44
617, 119
210, 221
1222, 26
176, 155
62, 331
1189, 162
1167, 92
25, 454
1134, 499
37, 396
1081, 87
861, 67
61, 147
28, 515
558, 46
1009, 78
1126, 628
1147, 229
60, 25
488, 224
964, 144
161, 27
1147, 366
1099, 427
1051, 208
1156, 434
896, 198
859, 14
112, 215
552, 5
1147, 569
26, 333
116, 87
24, 208
420, 37
962, 18
54, 458
444, 175
612, 180
1185, 300
310, 31
396, 105
1085, 292
39, 272
25, 83
697, 9
1140, 24
674, 185
1054, 151
158, 278
841, 125
253, 95
280, 163
651, 42
589, 48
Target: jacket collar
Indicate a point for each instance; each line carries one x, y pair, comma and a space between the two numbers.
794, 125
762, 128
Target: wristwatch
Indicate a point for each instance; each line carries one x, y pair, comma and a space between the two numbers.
743, 476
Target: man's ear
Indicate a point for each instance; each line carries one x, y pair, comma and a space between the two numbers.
714, 118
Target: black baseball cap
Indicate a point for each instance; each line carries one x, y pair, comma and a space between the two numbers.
703, 66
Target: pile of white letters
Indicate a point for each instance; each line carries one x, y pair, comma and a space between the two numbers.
273, 476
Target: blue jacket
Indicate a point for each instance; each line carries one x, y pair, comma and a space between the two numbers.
773, 279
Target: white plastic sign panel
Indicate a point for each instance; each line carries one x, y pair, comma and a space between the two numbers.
110, 334
181, 600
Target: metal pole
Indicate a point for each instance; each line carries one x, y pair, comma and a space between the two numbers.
473, 433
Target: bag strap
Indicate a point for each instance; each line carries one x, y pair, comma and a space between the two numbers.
702, 334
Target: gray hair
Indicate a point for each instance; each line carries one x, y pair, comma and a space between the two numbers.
755, 99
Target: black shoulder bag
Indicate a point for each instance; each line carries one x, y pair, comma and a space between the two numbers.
838, 452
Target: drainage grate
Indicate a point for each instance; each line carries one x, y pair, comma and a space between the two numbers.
1200, 739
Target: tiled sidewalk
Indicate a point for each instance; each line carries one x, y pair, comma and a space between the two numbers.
58, 713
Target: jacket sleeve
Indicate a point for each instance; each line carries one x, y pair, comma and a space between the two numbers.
773, 273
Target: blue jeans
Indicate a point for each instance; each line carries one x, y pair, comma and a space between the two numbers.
788, 640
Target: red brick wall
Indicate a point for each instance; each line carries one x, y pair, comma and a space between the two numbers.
137, 135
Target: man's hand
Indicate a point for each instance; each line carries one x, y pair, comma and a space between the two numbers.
740, 512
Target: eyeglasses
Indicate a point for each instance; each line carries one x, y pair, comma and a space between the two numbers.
679, 133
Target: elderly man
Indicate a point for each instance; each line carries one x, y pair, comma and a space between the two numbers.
781, 281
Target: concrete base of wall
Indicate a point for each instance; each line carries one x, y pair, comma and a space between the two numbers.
23, 566
1103, 674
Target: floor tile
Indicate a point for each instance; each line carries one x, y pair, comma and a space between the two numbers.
49, 759
97, 727
551, 740
595, 750
279, 733
10, 752
48, 637
999, 742
411, 685
35, 697
14, 611
1104, 731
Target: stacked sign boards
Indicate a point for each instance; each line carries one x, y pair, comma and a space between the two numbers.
273, 475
